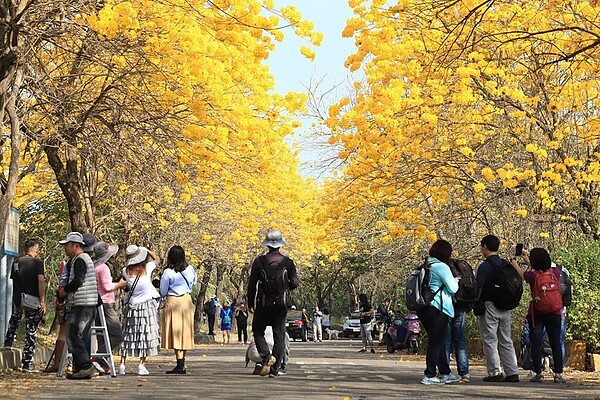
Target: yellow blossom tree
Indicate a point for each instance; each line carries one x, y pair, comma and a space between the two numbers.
485, 110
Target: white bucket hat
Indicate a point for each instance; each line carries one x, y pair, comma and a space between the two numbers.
274, 239
103, 251
135, 255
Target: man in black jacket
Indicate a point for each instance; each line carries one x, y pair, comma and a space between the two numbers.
267, 298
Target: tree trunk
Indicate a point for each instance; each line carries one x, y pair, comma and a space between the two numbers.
220, 276
67, 176
11, 80
201, 299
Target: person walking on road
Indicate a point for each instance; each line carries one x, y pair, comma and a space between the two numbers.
28, 280
177, 319
272, 277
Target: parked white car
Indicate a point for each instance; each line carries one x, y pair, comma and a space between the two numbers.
352, 325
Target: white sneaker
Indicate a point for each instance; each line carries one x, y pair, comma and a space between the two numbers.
122, 369
450, 378
434, 380
142, 370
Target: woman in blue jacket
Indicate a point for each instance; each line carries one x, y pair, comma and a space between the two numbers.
435, 316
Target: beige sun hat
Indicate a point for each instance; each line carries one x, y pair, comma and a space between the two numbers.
135, 255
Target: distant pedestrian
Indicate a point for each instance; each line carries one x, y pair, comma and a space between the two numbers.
177, 322
326, 320
81, 293
385, 318
106, 289
226, 316
241, 318
141, 338
210, 309
317, 327
269, 296
366, 322
28, 280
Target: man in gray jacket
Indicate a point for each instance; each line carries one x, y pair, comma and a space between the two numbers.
81, 293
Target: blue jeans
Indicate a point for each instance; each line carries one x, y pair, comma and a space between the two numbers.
79, 321
455, 337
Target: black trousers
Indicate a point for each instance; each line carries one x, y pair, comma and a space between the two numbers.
211, 324
436, 325
552, 324
242, 332
274, 317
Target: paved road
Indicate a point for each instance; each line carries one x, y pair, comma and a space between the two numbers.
328, 370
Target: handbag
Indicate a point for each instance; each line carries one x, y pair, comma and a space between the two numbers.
131, 290
29, 302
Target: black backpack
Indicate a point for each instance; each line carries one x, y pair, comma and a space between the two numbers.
506, 286
417, 292
468, 291
566, 287
274, 283
207, 307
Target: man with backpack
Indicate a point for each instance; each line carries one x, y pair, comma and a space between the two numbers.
501, 291
272, 277
210, 310
463, 301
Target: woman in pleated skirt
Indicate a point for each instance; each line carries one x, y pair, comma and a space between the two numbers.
141, 330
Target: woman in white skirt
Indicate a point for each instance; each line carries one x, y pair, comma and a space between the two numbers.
177, 320
140, 331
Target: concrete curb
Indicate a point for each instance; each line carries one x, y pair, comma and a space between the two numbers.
204, 339
10, 358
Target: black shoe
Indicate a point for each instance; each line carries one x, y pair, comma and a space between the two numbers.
177, 370
511, 378
257, 369
362, 351
373, 351
494, 378
282, 372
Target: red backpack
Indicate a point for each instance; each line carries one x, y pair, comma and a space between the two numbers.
547, 297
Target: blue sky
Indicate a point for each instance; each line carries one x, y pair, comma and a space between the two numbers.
293, 72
